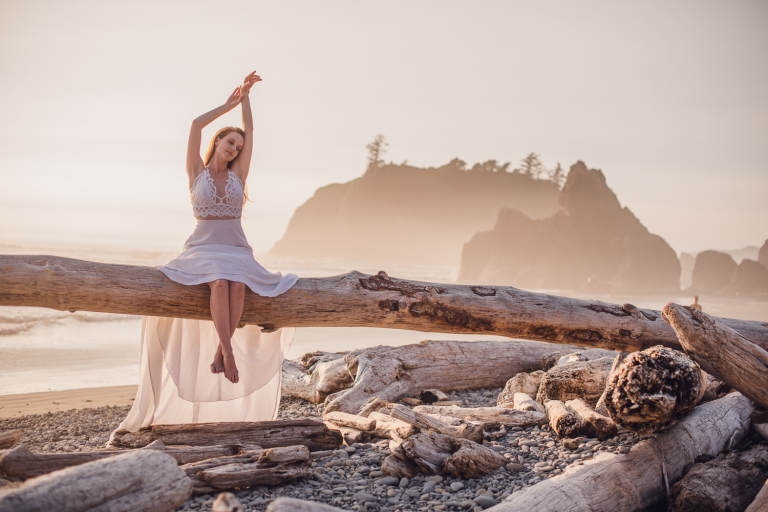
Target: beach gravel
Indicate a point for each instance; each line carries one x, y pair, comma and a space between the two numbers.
350, 478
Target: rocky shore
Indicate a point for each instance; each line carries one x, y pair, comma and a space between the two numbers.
351, 478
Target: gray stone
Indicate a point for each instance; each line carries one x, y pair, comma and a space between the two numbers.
514, 466
375, 474
389, 480
485, 501
403, 483
456, 486
362, 497
434, 478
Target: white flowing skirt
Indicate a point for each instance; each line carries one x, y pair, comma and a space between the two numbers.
176, 384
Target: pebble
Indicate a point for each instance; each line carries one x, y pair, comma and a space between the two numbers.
350, 477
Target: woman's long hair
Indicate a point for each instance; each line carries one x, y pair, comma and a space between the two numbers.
212, 149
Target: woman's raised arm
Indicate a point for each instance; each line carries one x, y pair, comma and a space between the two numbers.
194, 163
242, 164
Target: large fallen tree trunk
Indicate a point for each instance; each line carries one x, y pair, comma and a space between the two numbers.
349, 300
392, 373
721, 351
729, 482
268, 434
760, 503
490, 417
146, 480
316, 376
638, 479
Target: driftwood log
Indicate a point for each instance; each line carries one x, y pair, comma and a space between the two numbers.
561, 419
294, 505
269, 434
342, 419
653, 389
579, 379
553, 359
349, 300
24, 464
260, 467
146, 480
729, 482
637, 480
760, 503
721, 351
315, 376
391, 373
10, 438
591, 424
388, 427
523, 382
523, 402
427, 423
490, 417
434, 453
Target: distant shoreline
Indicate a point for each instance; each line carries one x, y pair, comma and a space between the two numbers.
15, 406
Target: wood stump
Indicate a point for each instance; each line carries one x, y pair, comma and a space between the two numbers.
580, 379
654, 389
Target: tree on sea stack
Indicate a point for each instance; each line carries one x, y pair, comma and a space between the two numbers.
531, 166
376, 150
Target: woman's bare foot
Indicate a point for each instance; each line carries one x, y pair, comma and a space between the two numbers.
230, 368
217, 366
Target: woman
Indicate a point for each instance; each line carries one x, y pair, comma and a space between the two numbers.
189, 368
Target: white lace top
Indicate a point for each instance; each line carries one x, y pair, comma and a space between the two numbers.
205, 202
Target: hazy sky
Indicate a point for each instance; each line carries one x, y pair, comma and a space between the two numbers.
669, 99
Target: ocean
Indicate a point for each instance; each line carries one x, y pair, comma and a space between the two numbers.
48, 350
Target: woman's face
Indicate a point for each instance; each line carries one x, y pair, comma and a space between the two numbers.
229, 146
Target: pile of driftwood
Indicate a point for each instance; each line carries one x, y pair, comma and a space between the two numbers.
665, 375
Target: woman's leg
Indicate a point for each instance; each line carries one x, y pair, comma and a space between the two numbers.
236, 302
224, 360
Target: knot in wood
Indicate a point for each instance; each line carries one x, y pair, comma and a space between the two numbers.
449, 315
483, 291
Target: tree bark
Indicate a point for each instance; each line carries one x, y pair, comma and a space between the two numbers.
523, 402
635, 481
760, 503
146, 480
729, 482
392, 373
10, 438
350, 300
653, 389
592, 424
426, 423
491, 417
260, 467
269, 434
721, 351
579, 379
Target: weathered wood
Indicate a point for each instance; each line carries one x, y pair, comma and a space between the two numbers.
549, 361
392, 373
324, 377
729, 482
721, 351
388, 427
227, 502
22, 463
350, 300
262, 467
635, 481
424, 422
294, 505
146, 480
342, 419
600, 407
592, 424
374, 404
268, 434
398, 465
435, 453
349, 435
653, 389
490, 417
562, 421
523, 382
10, 438
430, 396
578, 379
523, 402
760, 503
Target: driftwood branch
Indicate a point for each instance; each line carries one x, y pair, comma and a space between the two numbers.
268, 434
146, 480
349, 300
635, 481
10, 438
721, 351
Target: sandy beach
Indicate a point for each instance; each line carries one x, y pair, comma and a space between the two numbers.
14, 406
